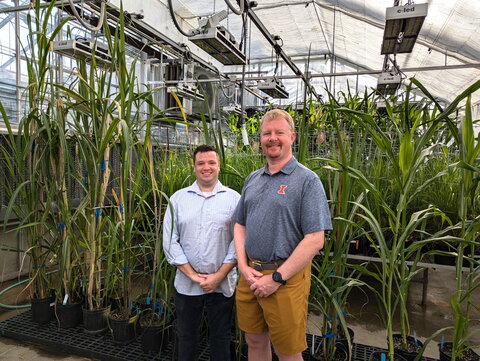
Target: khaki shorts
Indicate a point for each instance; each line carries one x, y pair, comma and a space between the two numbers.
283, 314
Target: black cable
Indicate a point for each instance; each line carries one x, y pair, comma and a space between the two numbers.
222, 88
278, 49
175, 22
243, 38
235, 11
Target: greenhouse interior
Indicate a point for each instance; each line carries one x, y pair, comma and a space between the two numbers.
119, 116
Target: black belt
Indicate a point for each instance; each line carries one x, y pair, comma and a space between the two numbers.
266, 266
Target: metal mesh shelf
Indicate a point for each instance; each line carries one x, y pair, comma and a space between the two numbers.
75, 341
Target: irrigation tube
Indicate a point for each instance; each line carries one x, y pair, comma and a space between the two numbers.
14, 307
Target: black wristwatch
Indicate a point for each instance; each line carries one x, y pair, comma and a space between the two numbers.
277, 277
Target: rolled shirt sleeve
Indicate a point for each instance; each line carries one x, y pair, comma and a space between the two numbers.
231, 256
171, 246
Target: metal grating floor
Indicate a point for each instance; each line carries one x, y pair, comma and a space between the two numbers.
75, 341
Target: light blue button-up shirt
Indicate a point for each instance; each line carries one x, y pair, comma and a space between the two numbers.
201, 233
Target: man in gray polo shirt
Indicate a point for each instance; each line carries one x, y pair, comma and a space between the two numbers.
280, 223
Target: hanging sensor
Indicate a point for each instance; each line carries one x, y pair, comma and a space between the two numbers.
83, 49
388, 83
274, 88
217, 41
403, 24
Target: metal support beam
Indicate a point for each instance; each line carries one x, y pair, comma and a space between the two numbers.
374, 72
140, 30
254, 18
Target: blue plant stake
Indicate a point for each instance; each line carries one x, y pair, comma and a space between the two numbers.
415, 338
97, 213
61, 226
103, 165
148, 300
442, 343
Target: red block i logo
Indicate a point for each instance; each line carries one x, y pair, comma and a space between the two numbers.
282, 189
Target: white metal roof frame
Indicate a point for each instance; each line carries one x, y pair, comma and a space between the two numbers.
446, 57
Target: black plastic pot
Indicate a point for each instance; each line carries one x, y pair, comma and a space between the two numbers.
412, 344
42, 309
155, 338
123, 331
445, 351
95, 321
340, 352
69, 315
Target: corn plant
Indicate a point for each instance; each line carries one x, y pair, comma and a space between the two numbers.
333, 283
415, 135
468, 210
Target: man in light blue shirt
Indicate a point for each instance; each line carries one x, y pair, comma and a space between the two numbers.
198, 240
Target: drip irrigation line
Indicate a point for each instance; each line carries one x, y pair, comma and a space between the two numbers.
15, 307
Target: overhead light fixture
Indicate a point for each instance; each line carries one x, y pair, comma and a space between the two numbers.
388, 83
83, 49
233, 108
217, 40
273, 88
403, 24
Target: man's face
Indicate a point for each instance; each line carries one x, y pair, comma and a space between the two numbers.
206, 168
277, 138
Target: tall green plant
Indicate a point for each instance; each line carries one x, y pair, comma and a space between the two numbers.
414, 133
468, 210
29, 155
334, 283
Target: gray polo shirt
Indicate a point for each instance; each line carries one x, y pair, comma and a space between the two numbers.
279, 209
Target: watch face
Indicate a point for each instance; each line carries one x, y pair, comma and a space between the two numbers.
277, 277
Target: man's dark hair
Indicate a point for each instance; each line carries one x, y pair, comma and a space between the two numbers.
204, 148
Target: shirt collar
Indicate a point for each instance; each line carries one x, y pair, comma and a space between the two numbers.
219, 187
287, 168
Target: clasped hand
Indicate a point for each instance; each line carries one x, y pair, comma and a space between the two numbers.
208, 282
261, 285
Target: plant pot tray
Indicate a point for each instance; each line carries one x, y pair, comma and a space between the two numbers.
75, 341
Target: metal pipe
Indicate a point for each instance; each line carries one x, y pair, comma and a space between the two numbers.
246, 72
242, 84
18, 65
18, 95
17, 8
332, 58
348, 73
